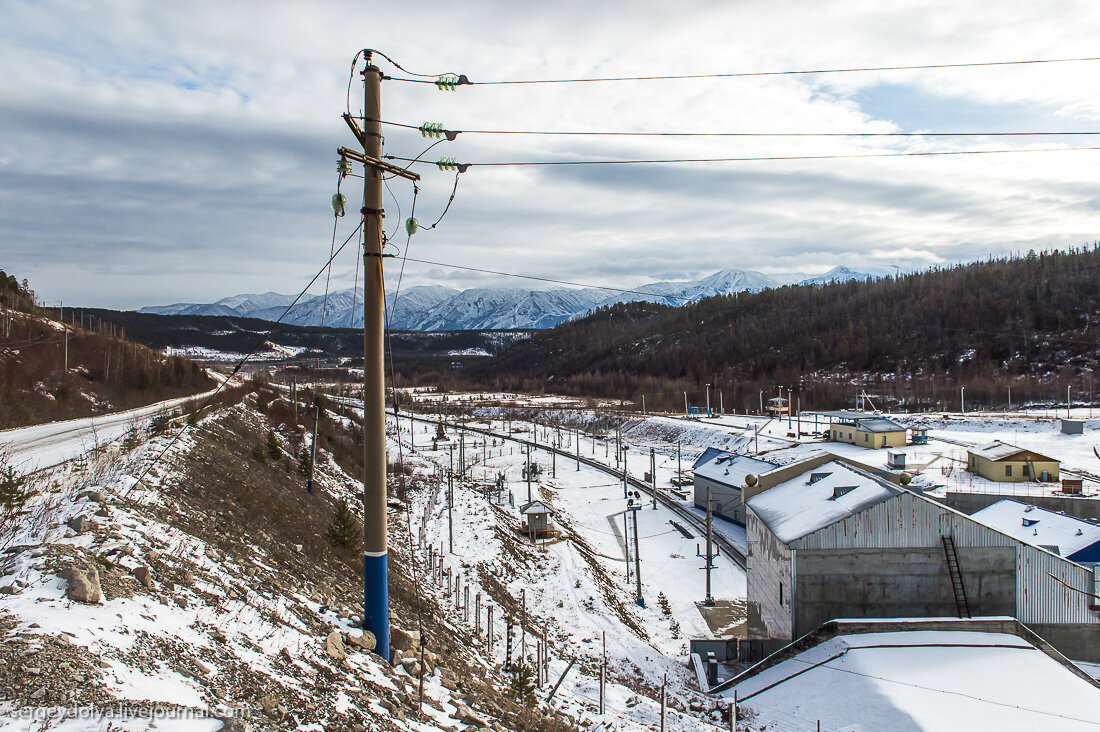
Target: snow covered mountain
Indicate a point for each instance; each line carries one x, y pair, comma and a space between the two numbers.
433, 308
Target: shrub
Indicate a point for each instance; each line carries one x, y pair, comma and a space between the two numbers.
521, 687
259, 453
273, 450
344, 531
305, 461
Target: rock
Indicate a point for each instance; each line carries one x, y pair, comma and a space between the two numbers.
144, 576
81, 523
285, 654
334, 646
83, 584
97, 496
8, 590
181, 601
187, 578
364, 640
270, 704
219, 635
404, 640
201, 666
448, 684
235, 724
40, 693
104, 511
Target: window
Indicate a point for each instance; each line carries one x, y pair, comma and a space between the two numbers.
1008, 471
866, 437
1027, 471
780, 593
884, 440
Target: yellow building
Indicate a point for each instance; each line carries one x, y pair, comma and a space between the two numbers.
865, 430
1009, 464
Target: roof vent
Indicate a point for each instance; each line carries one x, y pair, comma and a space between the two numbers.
1029, 509
1030, 522
1079, 532
814, 477
842, 490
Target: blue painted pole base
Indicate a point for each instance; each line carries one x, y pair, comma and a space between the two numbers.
376, 602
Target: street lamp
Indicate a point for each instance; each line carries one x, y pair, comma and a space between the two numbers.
708, 400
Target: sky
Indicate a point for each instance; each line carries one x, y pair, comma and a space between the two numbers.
155, 152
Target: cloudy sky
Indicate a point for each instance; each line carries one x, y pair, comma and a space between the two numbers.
155, 152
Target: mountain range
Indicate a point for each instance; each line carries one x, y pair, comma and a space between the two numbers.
437, 308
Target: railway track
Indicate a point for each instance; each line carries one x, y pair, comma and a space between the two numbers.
724, 544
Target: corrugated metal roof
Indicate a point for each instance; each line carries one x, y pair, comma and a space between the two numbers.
878, 424
812, 501
727, 468
998, 450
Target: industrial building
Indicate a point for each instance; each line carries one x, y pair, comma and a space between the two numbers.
1004, 463
835, 541
723, 474
865, 430
1067, 536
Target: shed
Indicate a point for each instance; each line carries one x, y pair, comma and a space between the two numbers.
1073, 426
1067, 536
537, 519
1004, 463
723, 474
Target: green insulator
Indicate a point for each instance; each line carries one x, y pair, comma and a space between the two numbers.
411, 225
343, 167
433, 130
447, 164
339, 202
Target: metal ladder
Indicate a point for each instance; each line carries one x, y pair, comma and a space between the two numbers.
961, 603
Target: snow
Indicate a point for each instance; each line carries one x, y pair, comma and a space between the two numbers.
1064, 534
804, 504
922, 680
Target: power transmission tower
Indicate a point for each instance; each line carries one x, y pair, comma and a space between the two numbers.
376, 598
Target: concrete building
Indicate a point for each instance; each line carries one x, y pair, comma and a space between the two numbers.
723, 473
1006, 463
1067, 536
835, 541
865, 430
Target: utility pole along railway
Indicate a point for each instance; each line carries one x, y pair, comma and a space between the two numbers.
735, 554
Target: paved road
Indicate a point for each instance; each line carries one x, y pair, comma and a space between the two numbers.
45, 445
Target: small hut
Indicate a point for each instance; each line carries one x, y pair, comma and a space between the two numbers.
536, 520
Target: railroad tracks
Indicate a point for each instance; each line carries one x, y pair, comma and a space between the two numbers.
724, 544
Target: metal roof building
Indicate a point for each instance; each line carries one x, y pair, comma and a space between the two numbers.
1074, 538
852, 545
724, 473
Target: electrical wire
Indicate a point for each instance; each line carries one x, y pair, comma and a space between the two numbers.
620, 133
759, 158
260, 342
446, 208
748, 74
328, 269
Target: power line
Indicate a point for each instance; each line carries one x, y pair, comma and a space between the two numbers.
758, 158
620, 133
547, 279
745, 74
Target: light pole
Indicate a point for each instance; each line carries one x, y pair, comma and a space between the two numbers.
962, 398
708, 400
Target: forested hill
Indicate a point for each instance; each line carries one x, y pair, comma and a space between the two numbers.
1031, 320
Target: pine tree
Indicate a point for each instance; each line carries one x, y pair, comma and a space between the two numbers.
273, 450
258, 453
305, 461
13, 494
344, 531
521, 687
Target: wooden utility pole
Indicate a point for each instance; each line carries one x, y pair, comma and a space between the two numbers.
638, 555
376, 598
451, 503
603, 671
653, 474
313, 446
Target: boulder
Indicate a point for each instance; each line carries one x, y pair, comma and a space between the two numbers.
334, 646
364, 640
404, 640
97, 496
144, 576
81, 523
187, 579
83, 583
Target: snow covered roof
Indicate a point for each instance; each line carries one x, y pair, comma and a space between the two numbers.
1062, 534
534, 507
865, 422
818, 498
728, 468
921, 680
998, 450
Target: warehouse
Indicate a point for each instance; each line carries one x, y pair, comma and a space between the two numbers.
723, 474
1067, 536
840, 542
865, 430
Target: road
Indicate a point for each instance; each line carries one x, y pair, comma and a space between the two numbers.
29, 449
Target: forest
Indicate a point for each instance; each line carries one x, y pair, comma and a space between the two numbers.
1022, 328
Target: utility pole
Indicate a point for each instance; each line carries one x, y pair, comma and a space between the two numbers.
687, 412
529, 471
721, 403
679, 465
653, 475
624, 472
709, 601
451, 502
462, 453
313, 446
962, 399
638, 552
578, 448
643, 405
376, 598
67, 349
708, 400
1068, 402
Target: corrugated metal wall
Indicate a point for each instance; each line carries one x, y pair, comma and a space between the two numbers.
912, 521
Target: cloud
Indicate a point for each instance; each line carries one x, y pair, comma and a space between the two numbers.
157, 152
